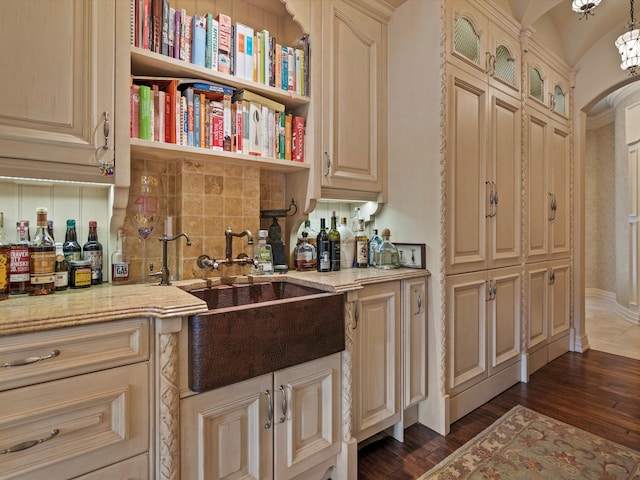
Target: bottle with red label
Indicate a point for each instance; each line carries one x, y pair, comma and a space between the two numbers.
19, 271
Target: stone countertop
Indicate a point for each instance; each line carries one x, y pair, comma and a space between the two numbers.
103, 303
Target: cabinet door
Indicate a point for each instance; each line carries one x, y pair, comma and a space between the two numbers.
467, 190
539, 210
537, 279
467, 30
376, 352
354, 100
504, 172
466, 326
60, 70
560, 193
559, 300
226, 433
414, 341
504, 319
306, 415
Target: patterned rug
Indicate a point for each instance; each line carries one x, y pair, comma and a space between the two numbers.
526, 445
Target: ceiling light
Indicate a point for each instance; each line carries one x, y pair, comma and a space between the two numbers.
628, 45
584, 7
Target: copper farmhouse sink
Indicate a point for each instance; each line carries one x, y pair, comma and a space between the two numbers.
252, 329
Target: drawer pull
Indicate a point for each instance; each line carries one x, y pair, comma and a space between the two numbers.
30, 443
30, 360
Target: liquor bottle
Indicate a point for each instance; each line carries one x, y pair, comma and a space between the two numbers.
92, 250
19, 271
119, 262
42, 258
374, 247
50, 229
362, 246
5, 261
347, 244
71, 248
388, 257
357, 216
311, 233
323, 254
62, 269
263, 253
334, 244
305, 254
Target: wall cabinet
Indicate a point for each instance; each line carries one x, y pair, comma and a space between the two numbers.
75, 400
483, 335
548, 311
277, 426
414, 341
351, 157
376, 360
61, 72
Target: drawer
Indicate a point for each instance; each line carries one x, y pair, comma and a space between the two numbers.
76, 425
31, 358
136, 468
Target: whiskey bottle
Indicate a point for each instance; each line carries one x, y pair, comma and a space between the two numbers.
42, 258
62, 269
305, 254
5, 261
71, 248
92, 250
19, 271
334, 244
362, 246
323, 254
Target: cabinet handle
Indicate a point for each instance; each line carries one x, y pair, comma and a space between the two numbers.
31, 443
326, 154
269, 410
283, 405
495, 199
552, 277
489, 291
419, 304
491, 199
30, 360
490, 64
106, 131
553, 206
356, 317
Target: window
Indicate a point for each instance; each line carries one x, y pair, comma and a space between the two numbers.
559, 103
536, 85
505, 65
466, 41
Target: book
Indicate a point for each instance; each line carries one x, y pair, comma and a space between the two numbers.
161, 116
203, 124
209, 40
172, 32
265, 131
184, 123
145, 112
164, 36
146, 28
255, 129
254, 97
297, 139
264, 57
196, 120
226, 105
177, 34
169, 118
135, 112
278, 66
198, 40
285, 68
214, 44
249, 52
217, 125
246, 144
189, 96
224, 43
240, 50
188, 32
207, 86
183, 32
155, 122
156, 26
132, 22
291, 70
169, 86
288, 125
236, 110
271, 63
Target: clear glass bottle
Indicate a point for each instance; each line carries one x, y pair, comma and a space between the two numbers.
71, 248
347, 245
42, 258
92, 250
388, 257
5, 261
374, 247
357, 216
311, 233
362, 246
305, 254
334, 244
119, 261
262, 252
62, 269
19, 271
323, 259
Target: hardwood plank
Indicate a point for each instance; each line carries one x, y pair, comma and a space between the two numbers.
595, 391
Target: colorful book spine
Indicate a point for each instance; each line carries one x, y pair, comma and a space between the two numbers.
161, 116
288, 125
172, 32
209, 43
155, 121
224, 43
215, 38
291, 69
178, 43
285, 68
249, 52
198, 40
255, 129
217, 125
196, 120
184, 115
281, 136
135, 111
203, 121
164, 45
297, 139
226, 104
183, 34
169, 118
240, 50
246, 144
145, 112
190, 118
188, 32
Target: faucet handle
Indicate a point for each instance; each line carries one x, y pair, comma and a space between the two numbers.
204, 261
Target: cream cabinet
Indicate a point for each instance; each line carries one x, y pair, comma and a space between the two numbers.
414, 341
548, 312
482, 336
376, 359
351, 156
278, 426
75, 400
61, 72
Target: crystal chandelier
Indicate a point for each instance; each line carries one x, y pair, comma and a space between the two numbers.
584, 7
628, 45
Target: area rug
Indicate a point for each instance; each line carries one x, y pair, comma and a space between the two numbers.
527, 445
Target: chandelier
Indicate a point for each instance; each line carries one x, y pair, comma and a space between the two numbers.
628, 45
584, 7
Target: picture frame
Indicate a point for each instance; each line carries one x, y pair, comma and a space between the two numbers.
412, 255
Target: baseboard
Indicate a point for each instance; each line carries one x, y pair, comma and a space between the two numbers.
600, 294
631, 315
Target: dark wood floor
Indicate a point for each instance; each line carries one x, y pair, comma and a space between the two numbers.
594, 391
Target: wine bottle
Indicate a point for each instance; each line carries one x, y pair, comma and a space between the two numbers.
42, 258
323, 254
19, 271
71, 248
334, 244
92, 250
5, 261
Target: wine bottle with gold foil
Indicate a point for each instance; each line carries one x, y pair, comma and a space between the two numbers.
334, 244
42, 258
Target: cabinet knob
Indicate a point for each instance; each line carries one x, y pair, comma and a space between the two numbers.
326, 154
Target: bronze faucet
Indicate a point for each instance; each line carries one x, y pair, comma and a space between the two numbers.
164, 273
